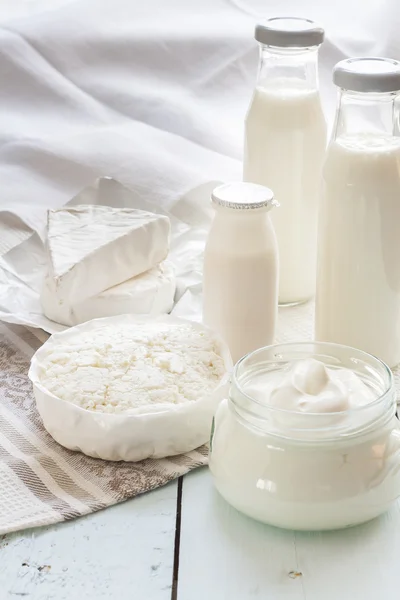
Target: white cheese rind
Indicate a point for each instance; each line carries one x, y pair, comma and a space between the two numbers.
93, 248
150, 293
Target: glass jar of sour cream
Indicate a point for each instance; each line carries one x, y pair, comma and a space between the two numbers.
309, 438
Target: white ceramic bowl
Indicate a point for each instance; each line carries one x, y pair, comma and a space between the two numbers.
151, 432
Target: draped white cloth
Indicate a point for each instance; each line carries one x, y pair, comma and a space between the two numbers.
152, 93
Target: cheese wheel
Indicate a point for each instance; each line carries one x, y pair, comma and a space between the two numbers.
151, 293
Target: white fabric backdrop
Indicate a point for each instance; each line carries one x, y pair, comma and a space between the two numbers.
152, 93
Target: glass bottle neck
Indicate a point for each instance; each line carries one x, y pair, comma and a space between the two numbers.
367, 114
294, 67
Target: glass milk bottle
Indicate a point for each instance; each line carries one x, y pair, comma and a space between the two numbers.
240, 278
358, 274
285, 140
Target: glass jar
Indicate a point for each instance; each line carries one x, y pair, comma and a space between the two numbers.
311, 471
358, 272
285, 140
240, 275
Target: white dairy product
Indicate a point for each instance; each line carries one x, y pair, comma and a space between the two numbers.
117, 368
93, 248
358, 283
145, 386
150, 293
240, 278
310, 387
307, 447
284, 149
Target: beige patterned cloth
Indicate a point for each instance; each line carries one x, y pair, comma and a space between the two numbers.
43, 483
40, 481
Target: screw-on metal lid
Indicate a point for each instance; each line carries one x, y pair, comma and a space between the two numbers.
368, 74
243, 196
289, 32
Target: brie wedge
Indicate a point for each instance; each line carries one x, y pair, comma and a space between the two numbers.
150, 293
93, 248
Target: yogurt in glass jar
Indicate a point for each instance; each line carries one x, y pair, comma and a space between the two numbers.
308, 438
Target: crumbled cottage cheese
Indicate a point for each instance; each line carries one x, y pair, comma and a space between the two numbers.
115, 368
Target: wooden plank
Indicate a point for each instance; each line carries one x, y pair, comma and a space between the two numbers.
124, 552
360, 562
225, 555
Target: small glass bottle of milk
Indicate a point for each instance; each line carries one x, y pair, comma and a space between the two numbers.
285, 141
358, 273
240, 278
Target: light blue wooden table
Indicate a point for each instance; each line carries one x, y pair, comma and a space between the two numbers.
184, 542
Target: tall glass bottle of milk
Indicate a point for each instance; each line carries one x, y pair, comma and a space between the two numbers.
358, 273
285, 141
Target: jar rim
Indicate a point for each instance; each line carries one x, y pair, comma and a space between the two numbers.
325, 345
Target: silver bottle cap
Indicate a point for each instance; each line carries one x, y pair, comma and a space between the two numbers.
242, 195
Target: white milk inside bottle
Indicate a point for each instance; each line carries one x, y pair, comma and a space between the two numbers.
358, 281
240, 279
285, 140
